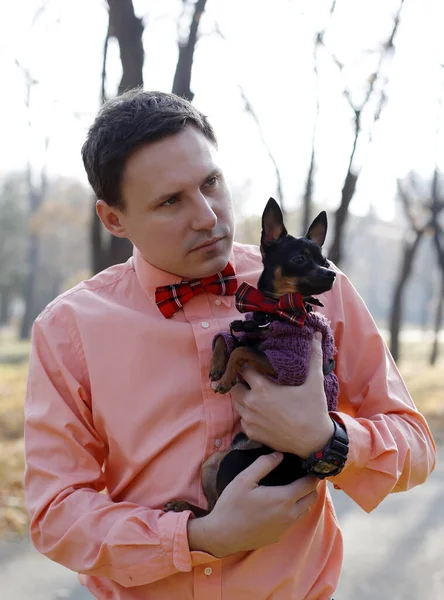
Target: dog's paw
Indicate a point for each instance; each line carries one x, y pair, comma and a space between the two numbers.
216, 373
176, 506
225, 386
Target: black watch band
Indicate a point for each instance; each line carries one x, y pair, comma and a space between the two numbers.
331, 460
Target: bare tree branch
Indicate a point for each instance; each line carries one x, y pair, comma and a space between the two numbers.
39, 12
354, 170
308, 193
251, 112
407, 205
105, 56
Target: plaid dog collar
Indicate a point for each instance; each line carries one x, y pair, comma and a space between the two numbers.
171, 298
290, 306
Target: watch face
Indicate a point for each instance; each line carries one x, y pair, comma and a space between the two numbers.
324, 467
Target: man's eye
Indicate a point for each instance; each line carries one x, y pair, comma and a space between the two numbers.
212, 181
170, 201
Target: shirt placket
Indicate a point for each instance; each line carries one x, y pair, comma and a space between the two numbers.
208, 581
218, 408
219, 421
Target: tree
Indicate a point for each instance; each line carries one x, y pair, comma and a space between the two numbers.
374, 97
61, 224
182, 76
36, 189
128, 30
422, 209
250, 111
13, 228
437, 209
309, 184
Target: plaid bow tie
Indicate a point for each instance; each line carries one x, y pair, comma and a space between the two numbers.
290, 306
171, 298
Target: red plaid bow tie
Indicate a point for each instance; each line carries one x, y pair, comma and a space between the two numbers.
290, 306
171, 298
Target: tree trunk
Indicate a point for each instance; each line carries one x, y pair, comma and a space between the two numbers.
308, 194
97, 253
120, 249
348, 190
32, 263
437, 328
35, 200
5, 305
404, 275
182, 76
336, 250
128, 30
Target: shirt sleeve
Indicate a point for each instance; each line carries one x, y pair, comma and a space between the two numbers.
72, 519
391, 446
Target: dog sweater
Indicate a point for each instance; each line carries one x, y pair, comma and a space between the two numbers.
288, 348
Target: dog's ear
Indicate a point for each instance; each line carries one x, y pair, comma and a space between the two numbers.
272, 223
318, 229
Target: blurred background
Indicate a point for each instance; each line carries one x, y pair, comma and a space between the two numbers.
334, 105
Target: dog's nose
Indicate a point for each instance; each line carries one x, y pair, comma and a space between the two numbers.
329, 274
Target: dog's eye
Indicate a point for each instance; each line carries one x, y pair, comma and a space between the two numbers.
299, 260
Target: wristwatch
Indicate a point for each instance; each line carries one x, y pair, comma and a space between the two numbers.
331, 460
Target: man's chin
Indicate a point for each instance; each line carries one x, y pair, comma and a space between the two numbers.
212, 267
211, 263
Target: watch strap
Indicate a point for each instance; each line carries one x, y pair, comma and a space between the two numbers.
331, 460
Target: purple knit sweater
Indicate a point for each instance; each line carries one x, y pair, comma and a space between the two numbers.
288, 348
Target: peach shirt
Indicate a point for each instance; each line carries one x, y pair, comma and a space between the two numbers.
119, 402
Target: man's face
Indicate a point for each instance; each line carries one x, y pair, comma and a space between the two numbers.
178, 207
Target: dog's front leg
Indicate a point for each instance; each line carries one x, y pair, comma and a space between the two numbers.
181, 506
219, 359
238, 358
208, 478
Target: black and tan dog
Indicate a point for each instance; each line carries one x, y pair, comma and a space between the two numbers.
292, 266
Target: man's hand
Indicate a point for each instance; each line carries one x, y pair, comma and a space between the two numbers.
286, 418
248, 516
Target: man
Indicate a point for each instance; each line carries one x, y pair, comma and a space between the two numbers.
119, 400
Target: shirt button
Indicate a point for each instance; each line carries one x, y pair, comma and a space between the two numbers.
218, 443
218, 302
208, 571
205, 324
214, 384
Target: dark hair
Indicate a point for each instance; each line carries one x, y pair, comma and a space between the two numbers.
127, 122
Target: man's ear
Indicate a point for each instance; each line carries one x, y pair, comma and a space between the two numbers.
111, 218
318, 229
272, 223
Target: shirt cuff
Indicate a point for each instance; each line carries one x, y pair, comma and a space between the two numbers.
175, 541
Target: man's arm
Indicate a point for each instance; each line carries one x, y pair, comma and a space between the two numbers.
71, 522
391, 446
75, 525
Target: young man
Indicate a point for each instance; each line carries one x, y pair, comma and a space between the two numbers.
119, 399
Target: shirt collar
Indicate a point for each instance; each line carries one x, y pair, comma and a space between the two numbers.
150, 277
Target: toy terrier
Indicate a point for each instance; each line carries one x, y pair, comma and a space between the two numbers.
275, 339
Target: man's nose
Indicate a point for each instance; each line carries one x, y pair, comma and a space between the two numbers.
203, 216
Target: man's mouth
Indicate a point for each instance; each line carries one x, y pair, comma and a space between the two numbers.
209, 244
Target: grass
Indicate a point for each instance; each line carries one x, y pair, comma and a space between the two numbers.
425, 384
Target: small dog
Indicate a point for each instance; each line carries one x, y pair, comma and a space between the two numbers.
275, 338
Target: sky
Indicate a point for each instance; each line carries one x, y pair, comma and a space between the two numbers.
267, 49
